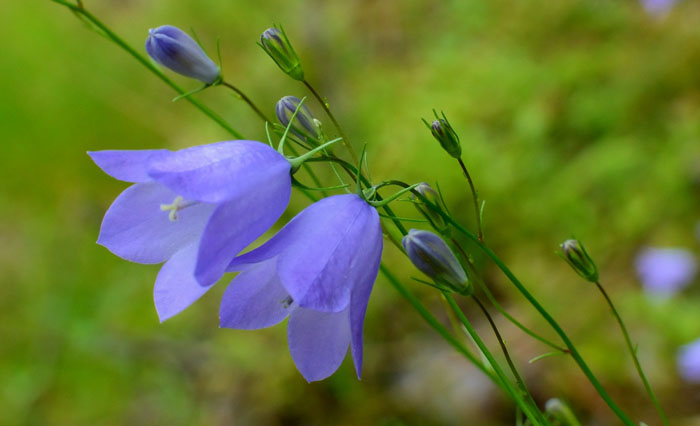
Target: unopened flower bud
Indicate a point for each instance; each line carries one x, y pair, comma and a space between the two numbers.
274, 41
445, 134
429, 253
174, 49
305, 125
573, 252
557, 409
429, 211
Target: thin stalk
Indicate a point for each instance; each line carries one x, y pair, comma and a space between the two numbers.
552, 322
630, 346
247, 100
325, 107
145, 62
498, 306
526, 407
518, 378
475, 198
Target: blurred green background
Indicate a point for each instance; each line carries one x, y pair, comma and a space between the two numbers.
576, 117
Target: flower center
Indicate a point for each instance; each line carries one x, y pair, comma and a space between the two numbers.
287, 301
178, 204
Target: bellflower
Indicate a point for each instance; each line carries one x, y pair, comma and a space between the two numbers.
665, 271
319, 270
689, 362
174, 49
193, 209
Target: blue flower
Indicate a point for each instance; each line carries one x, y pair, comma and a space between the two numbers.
174, 49
689, 362
319, 270
665, 271
193, 209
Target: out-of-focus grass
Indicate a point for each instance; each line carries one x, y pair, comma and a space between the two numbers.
577, 118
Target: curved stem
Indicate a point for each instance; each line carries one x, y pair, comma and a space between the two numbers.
145, 62
543, 312
475, 198
518, 378
526, 407
498, 306
247, 100
325, 107
633, 352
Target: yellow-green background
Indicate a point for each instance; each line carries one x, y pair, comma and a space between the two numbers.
576, 117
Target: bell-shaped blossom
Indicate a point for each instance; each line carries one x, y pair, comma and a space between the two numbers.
193, 209
689, 362
666, 271
174, 49
319, 270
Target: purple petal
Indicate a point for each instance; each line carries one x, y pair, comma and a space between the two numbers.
689, 362
176, 288
126, 165
318, 341
136, 229
666, 271
315, 251
237, 223
363, 273
315, 269
255, 299
221, 171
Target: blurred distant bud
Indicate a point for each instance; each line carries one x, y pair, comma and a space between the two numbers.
275, 43
557, 409
689, 362
576, 256
428, 211
445, 134
429, 253
306, 124
665, 271
174, 49
658, 7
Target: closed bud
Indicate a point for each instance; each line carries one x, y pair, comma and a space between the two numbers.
305, 125
445, 134
430, 212
561, 412
275, 43
174, 49
431, 255
573, 252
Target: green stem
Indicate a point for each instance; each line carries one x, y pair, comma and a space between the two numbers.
552, 322
325, 107
630, 346
518, 378
475, 198
498, 306
527, 408
145, 62
247, 100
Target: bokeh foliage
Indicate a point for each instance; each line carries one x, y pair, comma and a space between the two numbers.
576, 117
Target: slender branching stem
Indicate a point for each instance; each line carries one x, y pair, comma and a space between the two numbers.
148, 64
247, 100
325, 107
633, 352
498, 306
475, 198
515, 393
518, 378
